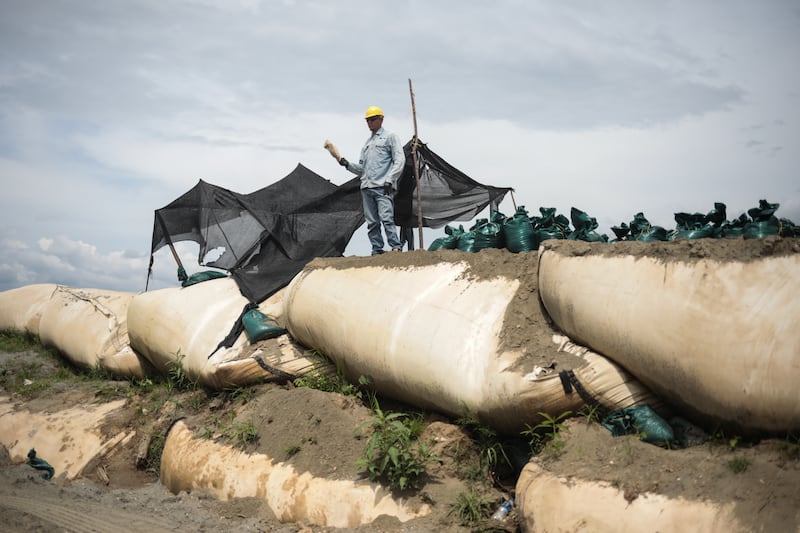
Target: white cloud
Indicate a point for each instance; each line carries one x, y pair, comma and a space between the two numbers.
109, 111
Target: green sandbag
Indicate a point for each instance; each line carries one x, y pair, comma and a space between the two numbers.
259, 326
686, 433
518, 232
40, 464
584, 227
199, 277
704, 232
652, 234
450, 242
541, 235
761, 229
466, 242
621, 232
639, 420
487, 235
482, 235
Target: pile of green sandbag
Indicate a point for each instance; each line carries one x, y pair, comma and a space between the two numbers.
520, 232
761, 223
523, 233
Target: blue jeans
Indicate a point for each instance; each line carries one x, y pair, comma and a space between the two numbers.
379, 209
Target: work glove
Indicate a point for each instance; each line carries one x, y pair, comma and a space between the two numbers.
388, 190
344, 162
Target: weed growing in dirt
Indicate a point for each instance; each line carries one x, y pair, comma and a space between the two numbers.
178, 378
739, 464
198, 400
491, 451
790, 448
591, 413
470, 508
326, 382
241, 394
393, 452
545, 436
15, 341
28, 377
291, 450
143, 385
241, 434
154, 450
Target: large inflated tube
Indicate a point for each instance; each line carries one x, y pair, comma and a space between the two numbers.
432, 335
184, 326
718, 337
70, 440
548, 502
192, 464
21, 308
88, 326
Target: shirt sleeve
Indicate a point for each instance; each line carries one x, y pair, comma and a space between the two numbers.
398, 161
357, 168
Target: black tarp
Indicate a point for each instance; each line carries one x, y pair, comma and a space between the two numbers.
447, 193
265, 237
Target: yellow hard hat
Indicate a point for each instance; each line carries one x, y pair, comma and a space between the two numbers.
373, 111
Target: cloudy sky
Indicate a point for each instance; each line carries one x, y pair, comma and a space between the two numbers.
111, 109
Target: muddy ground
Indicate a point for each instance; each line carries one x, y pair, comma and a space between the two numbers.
317, 431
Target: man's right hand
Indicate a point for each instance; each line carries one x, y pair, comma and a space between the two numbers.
343, 162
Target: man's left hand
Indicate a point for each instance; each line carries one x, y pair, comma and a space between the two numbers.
388, 190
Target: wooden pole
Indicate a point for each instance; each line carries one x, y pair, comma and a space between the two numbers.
175, 254
416, 165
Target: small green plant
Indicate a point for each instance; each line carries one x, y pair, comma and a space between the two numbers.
197, 400
790, 448
591, 413
491, 451
97, 372
178, 378
15, 341
205, 432
291, 451
470, 508
154, 451
739, 464
392, 452
242, 394
241, 434
323, 380
546, 436
145, 384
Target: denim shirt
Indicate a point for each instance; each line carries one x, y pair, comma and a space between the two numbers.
381, 161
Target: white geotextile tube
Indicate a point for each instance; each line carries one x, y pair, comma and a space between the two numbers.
193, 464
89, 326
69, 440
431, 336
21, 308
720, 339
547, 502
185, 325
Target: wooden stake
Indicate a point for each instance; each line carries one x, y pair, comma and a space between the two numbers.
414, 142
169, 241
